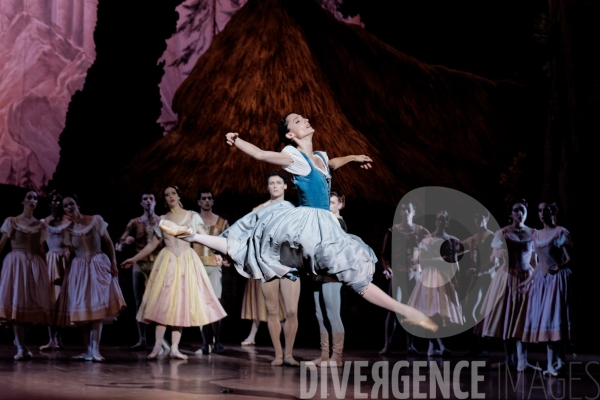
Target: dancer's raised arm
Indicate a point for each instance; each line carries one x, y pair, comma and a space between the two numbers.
337, 162
271, 157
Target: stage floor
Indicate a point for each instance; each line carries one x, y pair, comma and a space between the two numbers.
246, 373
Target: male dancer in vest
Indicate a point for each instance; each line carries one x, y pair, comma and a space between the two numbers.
401, 244
139, 232
213, 225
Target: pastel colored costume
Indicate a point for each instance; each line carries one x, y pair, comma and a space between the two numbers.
548, 311
208, 258
435, 294
254, 305
54, 257
279, 239
90, 292
178, 292
24, 283
504, 308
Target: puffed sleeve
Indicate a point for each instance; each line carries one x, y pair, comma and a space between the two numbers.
498, 244
564, 238
44, 233
196, 221
300, 165
7, 226
101, 225
157, 230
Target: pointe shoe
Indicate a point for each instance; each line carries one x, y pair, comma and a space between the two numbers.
277, 361
290, 362
138, 347
49, 347
525, 367
550, 373
82, 357
173, 229
219, 348
426, 323
248, 342
97, 358
178, 356
25, 355
154, 355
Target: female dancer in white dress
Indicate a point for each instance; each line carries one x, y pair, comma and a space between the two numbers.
278, 240
24, 283
56, 222
178, 293
504, 307
91, 295
548, 312
435, 294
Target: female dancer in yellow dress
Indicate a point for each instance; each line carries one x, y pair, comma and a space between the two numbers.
178, 293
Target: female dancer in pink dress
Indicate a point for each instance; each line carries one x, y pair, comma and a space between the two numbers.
279, 240
504, 307
90, 296
55, 258
548, 312
178, 293
24, 283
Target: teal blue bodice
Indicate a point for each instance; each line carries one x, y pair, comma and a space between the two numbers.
314, 188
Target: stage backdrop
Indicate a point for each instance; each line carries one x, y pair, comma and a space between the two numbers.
46, 48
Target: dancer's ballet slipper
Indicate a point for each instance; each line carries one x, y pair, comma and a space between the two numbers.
155, 354
98, 358
277, 361
290, 362
178, 356
173, 229
426, 323
23, 355
50, 346
549, 373
82, 357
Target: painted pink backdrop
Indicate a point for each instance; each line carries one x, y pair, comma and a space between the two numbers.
46, 48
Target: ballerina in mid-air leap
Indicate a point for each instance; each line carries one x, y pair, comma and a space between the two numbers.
278, 240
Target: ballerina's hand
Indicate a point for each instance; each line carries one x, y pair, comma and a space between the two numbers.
127, 263
231, 137
114, 270
366, 160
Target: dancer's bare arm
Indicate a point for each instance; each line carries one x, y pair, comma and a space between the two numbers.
338, 162
146, 251
272, 157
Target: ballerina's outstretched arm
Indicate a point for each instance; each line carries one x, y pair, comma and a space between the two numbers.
338, 162
272, 157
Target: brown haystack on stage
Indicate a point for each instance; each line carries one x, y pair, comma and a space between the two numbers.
421, 124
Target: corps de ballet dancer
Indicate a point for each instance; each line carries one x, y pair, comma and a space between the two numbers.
90, 295
401, 251
328, 290
24, 282
178, 293
436, 291
278, 298
279, 240
138, 233
548, 312
504, 308
56, 223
